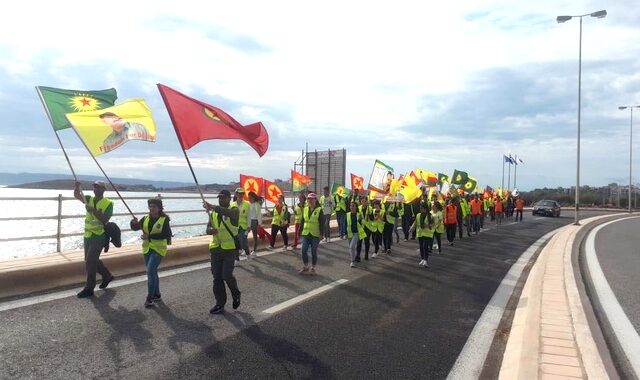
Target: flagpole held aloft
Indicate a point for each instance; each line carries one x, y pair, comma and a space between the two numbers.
504, 158
105, 174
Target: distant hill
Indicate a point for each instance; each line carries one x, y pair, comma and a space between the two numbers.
12, 179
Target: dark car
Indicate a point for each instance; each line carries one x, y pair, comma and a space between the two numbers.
545, 207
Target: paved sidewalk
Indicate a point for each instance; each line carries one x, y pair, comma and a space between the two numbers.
550, 337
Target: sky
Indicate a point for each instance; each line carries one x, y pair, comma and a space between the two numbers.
417, 85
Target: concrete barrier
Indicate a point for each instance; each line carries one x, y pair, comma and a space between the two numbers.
36, 274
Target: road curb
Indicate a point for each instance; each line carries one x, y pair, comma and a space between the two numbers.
550, 334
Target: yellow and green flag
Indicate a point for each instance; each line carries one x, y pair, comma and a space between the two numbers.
106, 129
338, 189
58, 102
471, 185
459, 177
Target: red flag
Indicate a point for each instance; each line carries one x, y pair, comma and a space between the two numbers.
195, 121
272, 191
251, 184
299, 181
356, 182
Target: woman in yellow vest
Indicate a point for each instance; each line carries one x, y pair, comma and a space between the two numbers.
156, 235
313, 219
355, 230
280, 222
367, 214
438, 221
378, 223
425, 227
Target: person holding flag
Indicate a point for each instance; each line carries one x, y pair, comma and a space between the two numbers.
313, 219
355, 231
368, 223
223, 228
99, 211
340, 208
378, 223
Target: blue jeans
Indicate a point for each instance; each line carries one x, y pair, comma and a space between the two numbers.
313, 242
152, 261
244, 244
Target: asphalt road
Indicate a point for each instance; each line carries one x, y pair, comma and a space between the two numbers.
618, 250
391, 320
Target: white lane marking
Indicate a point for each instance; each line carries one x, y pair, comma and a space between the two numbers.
474, 353
302, 297
34, 300
620, 324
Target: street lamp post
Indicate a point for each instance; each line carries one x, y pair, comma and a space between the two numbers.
630, 146
561, 19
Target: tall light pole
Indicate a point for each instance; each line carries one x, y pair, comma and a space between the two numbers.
561, 19
630, 146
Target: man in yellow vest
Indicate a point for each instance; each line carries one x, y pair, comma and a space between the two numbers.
243, 222
223, 226
99, 211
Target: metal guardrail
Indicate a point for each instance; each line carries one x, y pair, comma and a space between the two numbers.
59, 217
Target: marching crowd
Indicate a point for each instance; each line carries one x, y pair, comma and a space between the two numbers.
364, 222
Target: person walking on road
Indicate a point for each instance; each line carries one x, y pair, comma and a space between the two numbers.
451, 220
519, 208
476, 213
498, 208
99, 211
255, 217
378, 223
425, 227
313, 219
223, 226
156, 236
280, 222
438, 222
390, 215
355, 231
367, 215
326, 202
243, 222
340, 207
299, 207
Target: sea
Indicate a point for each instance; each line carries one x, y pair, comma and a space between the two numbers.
11, 228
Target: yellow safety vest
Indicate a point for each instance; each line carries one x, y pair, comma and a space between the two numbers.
361, 233
244, 211
423, 230
311, 222
298, 213
340, 203
158, 245
370, 224
379, 224
277, 216
388, 217
92, 225
223, 238
439, 224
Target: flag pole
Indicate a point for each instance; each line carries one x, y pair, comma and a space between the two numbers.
515, 172
503, 157
104, 173
509, 176
46, 109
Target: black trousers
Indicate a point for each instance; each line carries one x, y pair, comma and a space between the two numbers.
222, 264
425, 247
407, 221
387, 235
518, 212
451, 232
367, 244
377, 240
283, 231
93, 264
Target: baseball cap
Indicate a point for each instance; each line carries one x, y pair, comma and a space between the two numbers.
100, 184
224, 193
240, 190
312, 196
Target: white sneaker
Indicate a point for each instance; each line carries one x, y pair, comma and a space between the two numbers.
426, 264
270, 248
252, 253
353, 265
421, 262
374, 255
289, 248
236, 263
